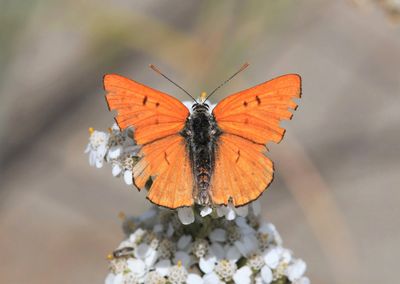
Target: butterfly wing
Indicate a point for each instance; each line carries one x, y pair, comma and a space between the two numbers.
157, 119
153, 114
250, 119
167, 162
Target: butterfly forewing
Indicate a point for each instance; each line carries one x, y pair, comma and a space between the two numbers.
255, 113
152, 113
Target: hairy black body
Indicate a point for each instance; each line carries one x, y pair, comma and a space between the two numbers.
201, 133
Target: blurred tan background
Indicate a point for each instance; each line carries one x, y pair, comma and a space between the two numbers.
336, 196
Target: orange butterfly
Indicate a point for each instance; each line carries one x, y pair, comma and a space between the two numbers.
205, 157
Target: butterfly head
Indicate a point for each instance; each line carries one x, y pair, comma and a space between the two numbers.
200, 105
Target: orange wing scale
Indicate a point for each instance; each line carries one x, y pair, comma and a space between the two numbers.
249, 120
157, 119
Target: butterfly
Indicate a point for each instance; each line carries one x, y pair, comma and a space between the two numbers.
203, 157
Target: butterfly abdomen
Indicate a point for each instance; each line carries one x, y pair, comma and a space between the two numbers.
201, 133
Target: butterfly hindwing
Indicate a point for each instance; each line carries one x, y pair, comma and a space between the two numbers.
250, 119
167, 162
242, 171
157, 119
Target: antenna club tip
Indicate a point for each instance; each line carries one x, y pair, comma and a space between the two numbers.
245, 65
155, 69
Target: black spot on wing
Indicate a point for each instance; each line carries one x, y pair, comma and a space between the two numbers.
157, 104
238, 156
245, 103
165, 157
258, 100
144, 100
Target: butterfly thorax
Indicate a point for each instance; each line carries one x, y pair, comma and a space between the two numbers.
201, 133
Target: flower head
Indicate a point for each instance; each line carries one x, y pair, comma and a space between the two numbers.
225, 269
97, 147
177, 274
161, 249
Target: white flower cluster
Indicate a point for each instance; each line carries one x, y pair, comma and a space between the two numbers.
114, 147
211, 250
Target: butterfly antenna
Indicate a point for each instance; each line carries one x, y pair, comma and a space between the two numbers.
159, 72
227, 80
